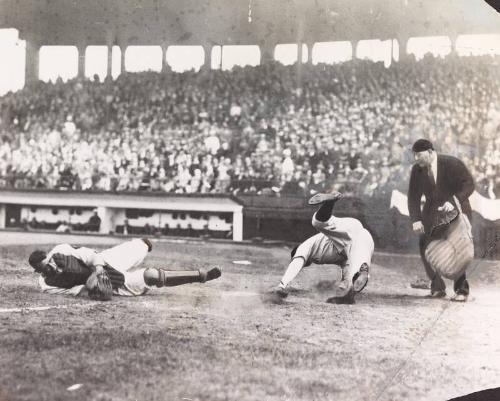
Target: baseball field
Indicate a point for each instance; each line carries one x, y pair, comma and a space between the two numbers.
224, 340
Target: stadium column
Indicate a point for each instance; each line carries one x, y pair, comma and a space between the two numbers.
32, 66
164, 64
81, 60
207, 65
309, 52
123, 49
354, 44
267, 53
402, 43
299, 52
109, 68
299, 64
453, 39
110, 39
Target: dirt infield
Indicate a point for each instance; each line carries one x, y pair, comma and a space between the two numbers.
223, 341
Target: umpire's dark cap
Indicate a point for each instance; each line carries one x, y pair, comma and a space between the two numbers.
36, 257
422, 145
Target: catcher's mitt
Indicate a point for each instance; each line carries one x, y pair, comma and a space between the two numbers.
99, 287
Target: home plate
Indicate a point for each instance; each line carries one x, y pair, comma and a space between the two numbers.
74, 387
242, 262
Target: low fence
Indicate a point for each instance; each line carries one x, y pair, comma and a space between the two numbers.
289, 219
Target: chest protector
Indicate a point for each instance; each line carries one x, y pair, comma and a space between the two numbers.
452, 251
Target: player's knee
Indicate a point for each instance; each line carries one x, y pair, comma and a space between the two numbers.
152, 276
300, 251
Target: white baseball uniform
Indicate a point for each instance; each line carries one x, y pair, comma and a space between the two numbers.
342, 241
123, 258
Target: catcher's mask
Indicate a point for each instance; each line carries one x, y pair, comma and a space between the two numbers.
35, 258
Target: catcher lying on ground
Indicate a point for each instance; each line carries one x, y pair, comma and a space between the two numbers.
78, 270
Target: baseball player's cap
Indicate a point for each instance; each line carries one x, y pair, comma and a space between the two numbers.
422, 145
36, 257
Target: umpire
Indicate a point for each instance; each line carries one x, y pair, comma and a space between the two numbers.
439, 178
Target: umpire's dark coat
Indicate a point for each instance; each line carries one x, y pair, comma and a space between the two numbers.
453, 178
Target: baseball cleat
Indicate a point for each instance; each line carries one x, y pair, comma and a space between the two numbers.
321, 198
212, 274
360, 279
459, 298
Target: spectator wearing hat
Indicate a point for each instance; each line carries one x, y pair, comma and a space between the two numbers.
439, 178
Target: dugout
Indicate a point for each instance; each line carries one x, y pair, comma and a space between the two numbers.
216, 215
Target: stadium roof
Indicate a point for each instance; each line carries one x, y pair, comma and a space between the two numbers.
211, 22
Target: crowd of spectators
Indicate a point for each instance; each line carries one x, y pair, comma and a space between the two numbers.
253, 130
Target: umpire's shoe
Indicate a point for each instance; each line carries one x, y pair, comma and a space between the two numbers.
321, 198
437, 294
212, 274
459, 297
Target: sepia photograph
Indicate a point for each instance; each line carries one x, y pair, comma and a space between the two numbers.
255, 200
